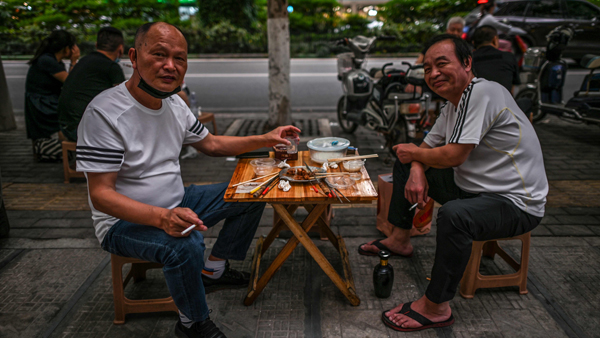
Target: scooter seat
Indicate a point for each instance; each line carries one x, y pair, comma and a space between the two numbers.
590, 61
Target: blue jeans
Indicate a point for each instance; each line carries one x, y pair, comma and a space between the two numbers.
183, 258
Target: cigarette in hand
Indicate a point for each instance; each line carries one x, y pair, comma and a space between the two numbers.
411, 208
188, 229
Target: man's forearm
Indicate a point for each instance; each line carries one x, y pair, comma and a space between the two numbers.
234, 145
122, 207
447, 156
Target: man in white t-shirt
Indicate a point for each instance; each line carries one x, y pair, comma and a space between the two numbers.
482, 161
129, 141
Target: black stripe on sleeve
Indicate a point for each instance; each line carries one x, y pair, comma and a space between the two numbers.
198, 128
80, 153
456, 133
96, 160
101, 149
200, 131
460, 112
194, 126
464, 116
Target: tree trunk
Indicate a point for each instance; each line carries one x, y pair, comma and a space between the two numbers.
7, 117
279, 64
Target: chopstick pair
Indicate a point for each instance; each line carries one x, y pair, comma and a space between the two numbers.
261, 188
270, 187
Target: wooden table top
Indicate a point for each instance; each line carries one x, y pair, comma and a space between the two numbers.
363, 192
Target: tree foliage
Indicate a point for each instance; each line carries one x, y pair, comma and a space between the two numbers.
436, 11
242, 12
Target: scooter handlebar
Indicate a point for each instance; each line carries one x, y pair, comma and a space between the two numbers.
341, 42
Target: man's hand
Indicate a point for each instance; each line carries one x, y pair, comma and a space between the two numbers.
405, 152
178, 219
277, 135
416, 187
75, 53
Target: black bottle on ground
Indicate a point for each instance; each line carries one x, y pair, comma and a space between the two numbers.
383, 276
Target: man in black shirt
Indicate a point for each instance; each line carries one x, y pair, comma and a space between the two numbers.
93, 74
492, 64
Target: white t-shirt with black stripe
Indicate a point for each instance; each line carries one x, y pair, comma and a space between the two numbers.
118, 134
507, 159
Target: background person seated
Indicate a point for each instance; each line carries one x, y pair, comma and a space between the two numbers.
92, 75
43, 85
493, 64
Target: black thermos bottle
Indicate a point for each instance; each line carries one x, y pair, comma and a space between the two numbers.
383, 276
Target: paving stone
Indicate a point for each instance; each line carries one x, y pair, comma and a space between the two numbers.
570, 230
37, 284
554, 211
594, 229
541, 230
574, 220
548, 220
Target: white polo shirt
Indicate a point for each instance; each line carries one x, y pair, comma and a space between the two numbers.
118, 134
507, 158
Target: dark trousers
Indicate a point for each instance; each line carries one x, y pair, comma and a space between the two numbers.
463, 218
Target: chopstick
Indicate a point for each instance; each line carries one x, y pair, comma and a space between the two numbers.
260, 185
270, 187
254, 179
257, 192
333, 174
351, 158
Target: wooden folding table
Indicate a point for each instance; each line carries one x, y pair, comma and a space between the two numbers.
285, 204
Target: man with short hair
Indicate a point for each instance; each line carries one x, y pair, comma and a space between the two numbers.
92, 75
455, 26
482, 161
493, 64
128, 146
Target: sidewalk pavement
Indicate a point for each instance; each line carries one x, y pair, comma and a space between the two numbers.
55, 280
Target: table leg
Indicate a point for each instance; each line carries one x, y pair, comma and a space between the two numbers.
324, 228
277, 227
257, 286
312, 249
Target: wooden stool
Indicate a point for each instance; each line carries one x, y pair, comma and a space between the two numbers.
69, 172
124, 305
209, 117
473, 280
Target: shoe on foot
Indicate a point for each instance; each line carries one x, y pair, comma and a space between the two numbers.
204, 329
231, 279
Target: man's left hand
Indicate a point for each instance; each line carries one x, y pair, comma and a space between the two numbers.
278, 135
405, 152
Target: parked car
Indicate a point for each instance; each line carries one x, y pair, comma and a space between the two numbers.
539, 17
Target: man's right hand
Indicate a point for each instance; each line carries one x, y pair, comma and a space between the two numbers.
416, 187
75, 53
176, 220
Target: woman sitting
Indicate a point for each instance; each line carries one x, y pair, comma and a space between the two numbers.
44, 81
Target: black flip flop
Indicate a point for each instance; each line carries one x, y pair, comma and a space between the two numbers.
410, 313
380, 246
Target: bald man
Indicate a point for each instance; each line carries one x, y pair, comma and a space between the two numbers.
128, 146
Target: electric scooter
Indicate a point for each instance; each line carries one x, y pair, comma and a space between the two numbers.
380, 103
